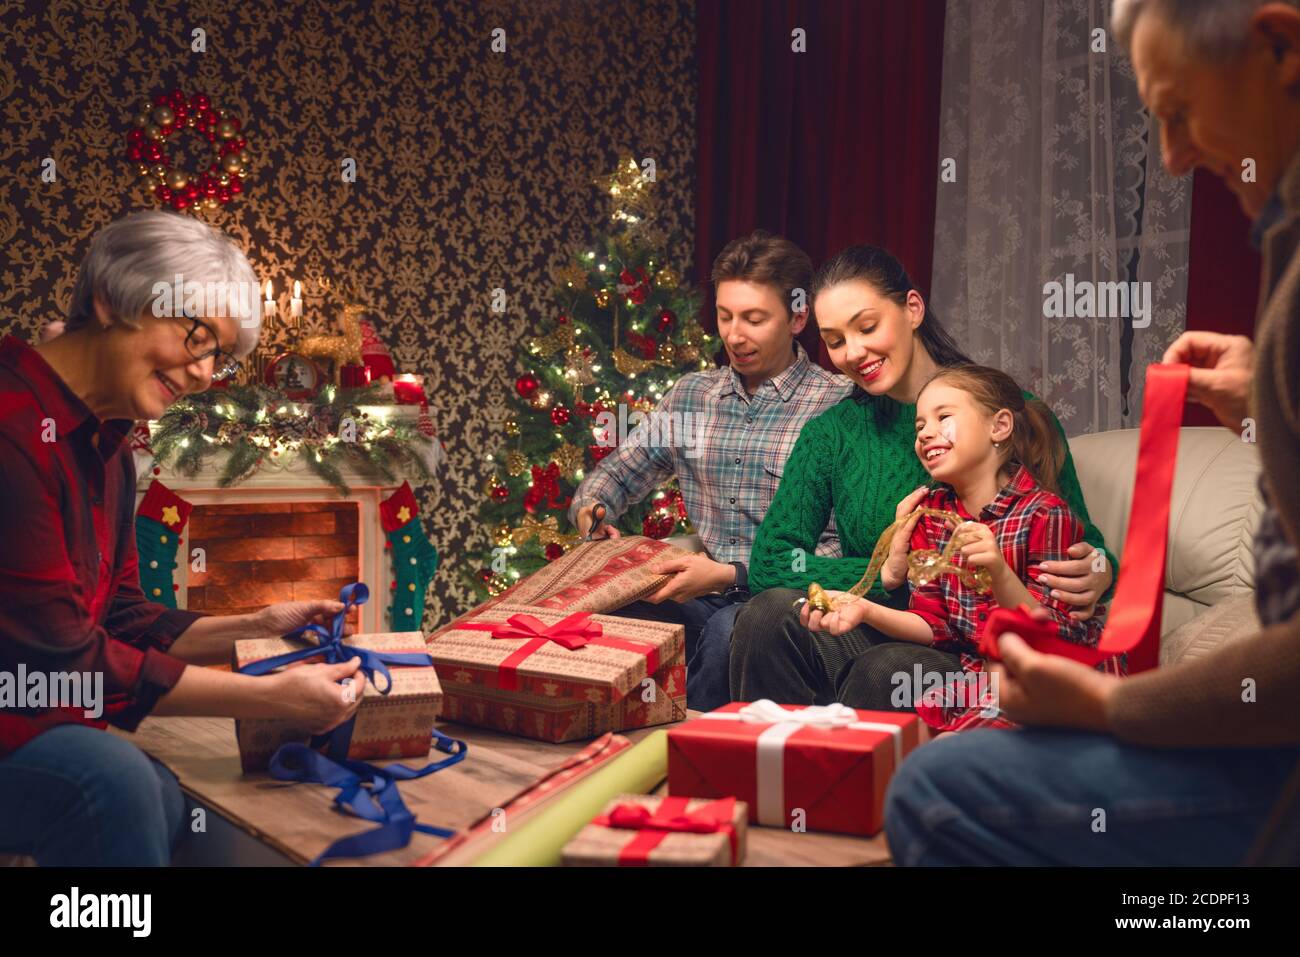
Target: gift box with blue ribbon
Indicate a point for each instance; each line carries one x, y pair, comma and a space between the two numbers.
399, 705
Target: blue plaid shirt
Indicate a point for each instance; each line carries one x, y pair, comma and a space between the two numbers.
726, 447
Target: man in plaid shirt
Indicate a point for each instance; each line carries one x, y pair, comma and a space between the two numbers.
725, 434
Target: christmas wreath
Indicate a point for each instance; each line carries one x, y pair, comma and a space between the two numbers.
168, 114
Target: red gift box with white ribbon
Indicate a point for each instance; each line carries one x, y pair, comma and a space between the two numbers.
823, 768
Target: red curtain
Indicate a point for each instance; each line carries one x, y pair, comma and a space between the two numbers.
830, 147
1222, 269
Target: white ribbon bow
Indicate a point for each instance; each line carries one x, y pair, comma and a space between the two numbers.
767, 711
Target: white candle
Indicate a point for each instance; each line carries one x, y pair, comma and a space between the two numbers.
268, 308
295, 304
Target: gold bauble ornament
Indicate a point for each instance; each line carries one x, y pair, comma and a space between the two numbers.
602, 298
141, 120
501, 534
666, 353
512, 426
232, 162
516, 462
667, 278
176, 179
163, 115
226, 129
152, 131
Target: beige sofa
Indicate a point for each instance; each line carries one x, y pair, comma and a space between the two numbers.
1214, 511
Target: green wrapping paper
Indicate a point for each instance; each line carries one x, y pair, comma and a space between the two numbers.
538, 843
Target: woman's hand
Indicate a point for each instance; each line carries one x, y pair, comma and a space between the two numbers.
691, 577
1222, 367
320, 697
849, 612
1048, 690
894, 571
286, 616
1079, 582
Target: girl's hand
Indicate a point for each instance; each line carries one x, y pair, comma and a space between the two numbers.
980, 548
848, 614
894, 571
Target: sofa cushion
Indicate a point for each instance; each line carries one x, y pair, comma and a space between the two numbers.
1229, 620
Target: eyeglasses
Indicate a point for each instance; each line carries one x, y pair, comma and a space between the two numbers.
224, 364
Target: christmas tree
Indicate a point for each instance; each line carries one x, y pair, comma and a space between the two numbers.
622, 332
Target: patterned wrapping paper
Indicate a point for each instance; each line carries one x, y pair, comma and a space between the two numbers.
599, 846
395, 725
598, 576
561, 695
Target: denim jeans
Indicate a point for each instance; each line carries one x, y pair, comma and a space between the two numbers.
79, 796
708, 621
1040, 797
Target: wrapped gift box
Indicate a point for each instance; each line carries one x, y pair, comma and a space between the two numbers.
835, 772
641, 830
598, 576
630, 675
394, 725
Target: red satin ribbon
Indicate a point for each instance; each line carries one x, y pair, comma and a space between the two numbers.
670, 817
1133, 626
574, 632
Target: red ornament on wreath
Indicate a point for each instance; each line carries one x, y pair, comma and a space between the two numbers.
181, 189
554, 551
560, 415
527, 385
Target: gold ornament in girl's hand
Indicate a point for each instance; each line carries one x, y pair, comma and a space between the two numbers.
923, 565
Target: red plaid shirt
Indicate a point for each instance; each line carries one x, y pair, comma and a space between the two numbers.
70, 598
1031, 525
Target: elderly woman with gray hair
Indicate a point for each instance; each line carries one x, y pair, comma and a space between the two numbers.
80, 646
1196, 763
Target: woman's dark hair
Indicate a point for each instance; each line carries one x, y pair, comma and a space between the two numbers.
879, 267
1035, 441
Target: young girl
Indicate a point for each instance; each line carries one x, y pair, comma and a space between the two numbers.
996, 458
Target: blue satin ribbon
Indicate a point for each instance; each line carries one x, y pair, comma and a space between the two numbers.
366, 791
330, 646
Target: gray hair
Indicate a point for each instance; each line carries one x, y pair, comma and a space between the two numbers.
1216, 30
130, 257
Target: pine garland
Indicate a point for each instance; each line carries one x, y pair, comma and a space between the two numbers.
326, 432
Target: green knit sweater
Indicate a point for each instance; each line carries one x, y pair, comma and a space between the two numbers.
857, 457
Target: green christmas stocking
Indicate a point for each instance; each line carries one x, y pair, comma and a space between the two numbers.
414, 559
158, 524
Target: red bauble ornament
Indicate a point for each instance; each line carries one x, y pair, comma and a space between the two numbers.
560, 415
500, 493
554, 551
485, 574
527, 385
598, 452
656, 526
561, 320
665, 320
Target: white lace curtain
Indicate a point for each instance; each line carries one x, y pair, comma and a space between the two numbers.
1057, 171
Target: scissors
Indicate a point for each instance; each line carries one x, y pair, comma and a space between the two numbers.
597, 519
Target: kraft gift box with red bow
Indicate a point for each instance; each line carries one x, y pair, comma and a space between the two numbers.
559, 677
398, 724
820, 768
640, 830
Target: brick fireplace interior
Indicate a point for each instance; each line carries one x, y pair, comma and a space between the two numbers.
259, 554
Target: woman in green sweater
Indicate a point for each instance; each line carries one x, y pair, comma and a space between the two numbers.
856, 462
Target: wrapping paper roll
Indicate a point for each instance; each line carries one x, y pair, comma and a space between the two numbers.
539, 842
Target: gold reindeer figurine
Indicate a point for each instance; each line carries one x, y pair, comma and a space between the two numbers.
345, 349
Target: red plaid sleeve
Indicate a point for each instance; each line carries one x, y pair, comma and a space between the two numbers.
1053, 528
45, 624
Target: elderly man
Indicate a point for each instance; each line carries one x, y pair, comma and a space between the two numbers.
1185, 770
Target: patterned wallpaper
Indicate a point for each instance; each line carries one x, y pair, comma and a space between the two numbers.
474, 168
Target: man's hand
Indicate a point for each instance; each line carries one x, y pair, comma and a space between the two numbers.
586, 520
1222, 367
1075, 582
1048, 690
286, 616
691, 577
846, 616
894, 570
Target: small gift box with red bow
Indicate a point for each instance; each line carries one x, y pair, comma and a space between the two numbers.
400, 692
818, 768
639, 830
559, 677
